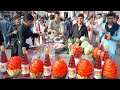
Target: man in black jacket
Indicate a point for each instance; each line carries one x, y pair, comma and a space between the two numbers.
1, 39
25, 33
79, 29
12, 35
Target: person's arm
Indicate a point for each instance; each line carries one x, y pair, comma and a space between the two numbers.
116, 38
86, 32
50, 26
95, 31
8, 25
34, 35
10, 31
71, 31
100, 31
62, 31
22, 38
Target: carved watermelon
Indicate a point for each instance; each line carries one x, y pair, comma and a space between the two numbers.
36, 68
14, 66
59, 69
84, 69
110, 69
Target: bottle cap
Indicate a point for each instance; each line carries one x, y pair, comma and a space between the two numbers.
77, 39
23, 49
99, 52
2, 48
72, 51
106, 47
68, 39
77, 44
97, 39
102, 42
47, 50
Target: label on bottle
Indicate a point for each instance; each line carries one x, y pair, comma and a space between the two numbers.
25, 69
46, 70
102, 63
76, 61
71, 72
3, 67
97, 73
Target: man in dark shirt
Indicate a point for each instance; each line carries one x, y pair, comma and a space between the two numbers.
12, 35
1, 38
79, 29
25, 33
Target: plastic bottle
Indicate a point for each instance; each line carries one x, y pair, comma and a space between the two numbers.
106, 55
101, 46
97, 42
47, 65
3, 61
98, 67
25, 63
72, 67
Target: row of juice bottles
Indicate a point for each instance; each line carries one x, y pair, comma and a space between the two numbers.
47, 63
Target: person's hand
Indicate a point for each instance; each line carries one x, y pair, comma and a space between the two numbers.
108, 36
55, 32
103, 31
14, 32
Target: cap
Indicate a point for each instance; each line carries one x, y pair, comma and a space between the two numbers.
77, 39
23, 49
102, 42
97, 39
99, 52
68, 39
2, 48
72, 51
106, 47
47, 50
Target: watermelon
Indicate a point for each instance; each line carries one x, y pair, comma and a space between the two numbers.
83, 38
88, 49
84, 44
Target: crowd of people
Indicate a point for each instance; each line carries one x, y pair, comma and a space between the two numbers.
27, 30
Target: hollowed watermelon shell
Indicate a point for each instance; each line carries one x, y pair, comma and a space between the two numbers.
63, 77
81, 77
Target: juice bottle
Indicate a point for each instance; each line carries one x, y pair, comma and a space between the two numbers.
106, 55
77, 53
96, 43
25, 63
98, 67
72, 67
3, 61
101, 46
47, 65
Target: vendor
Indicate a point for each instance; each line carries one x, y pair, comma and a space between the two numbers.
25, 35
56, 26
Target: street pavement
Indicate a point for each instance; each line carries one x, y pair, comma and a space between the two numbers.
8, 52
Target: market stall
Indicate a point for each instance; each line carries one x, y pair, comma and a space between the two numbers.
85, 58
